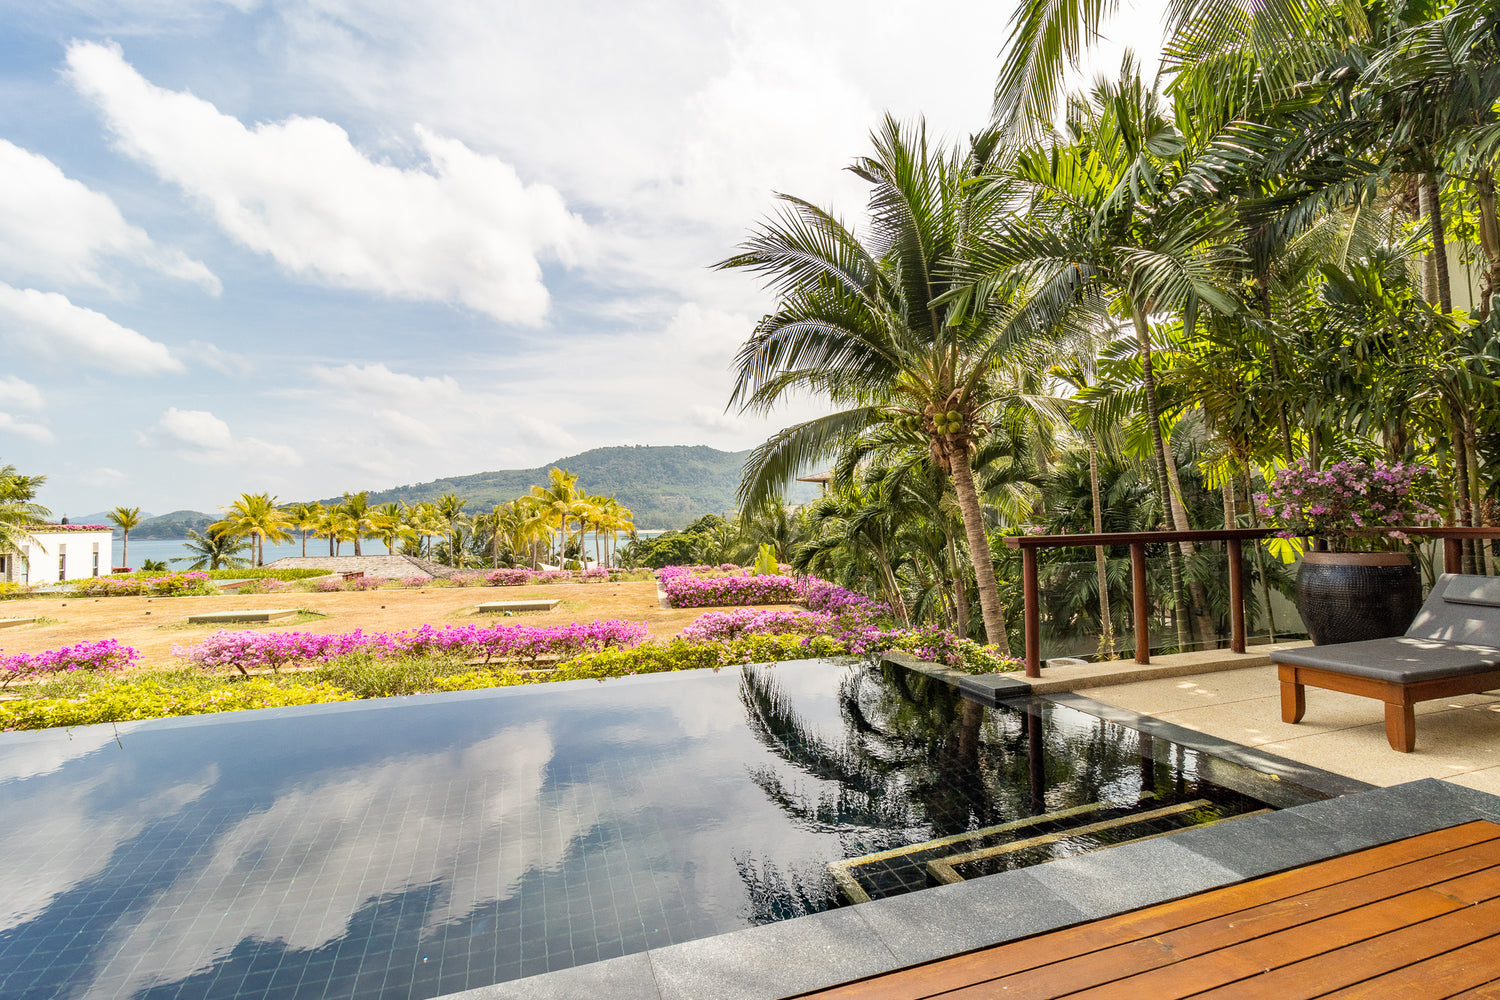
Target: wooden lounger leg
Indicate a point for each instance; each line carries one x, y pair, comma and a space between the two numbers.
1401, 726
1293, 697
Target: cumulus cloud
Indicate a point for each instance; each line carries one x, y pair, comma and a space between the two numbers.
396, 412
25, 429
49, 326
199, 436
212, 356
18, 394
459, 227
57, 229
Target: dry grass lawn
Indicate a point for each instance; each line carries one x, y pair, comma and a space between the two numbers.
154, 624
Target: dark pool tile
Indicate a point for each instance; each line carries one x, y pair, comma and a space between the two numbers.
1131, 875
948, 919
772, 961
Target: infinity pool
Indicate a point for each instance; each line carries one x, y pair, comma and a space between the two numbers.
415, 847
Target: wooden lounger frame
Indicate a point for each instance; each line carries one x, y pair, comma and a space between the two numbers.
1400, 699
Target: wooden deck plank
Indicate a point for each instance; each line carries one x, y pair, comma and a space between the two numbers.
1286, 920
1344, 967
1181, 963
987, 964
1299, 944
1460, 972
1489, 991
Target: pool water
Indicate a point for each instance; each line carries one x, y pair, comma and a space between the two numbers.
416, 847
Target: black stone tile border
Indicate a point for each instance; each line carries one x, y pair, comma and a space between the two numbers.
784, 959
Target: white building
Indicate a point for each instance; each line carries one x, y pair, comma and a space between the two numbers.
55, 552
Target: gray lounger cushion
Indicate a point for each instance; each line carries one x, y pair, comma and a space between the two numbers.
1460, 609
1402, 660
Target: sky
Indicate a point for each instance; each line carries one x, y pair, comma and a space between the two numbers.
309, 246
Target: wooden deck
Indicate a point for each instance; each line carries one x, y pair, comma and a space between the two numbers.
1415, 919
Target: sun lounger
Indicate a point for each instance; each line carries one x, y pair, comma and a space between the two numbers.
1453, 648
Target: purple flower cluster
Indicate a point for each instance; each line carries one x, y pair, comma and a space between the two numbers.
130, 586
247, 650
105, 654
689, 591
595, 573
1347, 495
525, 577
47, 529
820, 595
717, 626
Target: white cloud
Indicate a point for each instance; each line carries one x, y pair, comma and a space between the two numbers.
57, 229
49, 326
199, 436
15, 425
215, 357
197, 428
17, 394
459, 227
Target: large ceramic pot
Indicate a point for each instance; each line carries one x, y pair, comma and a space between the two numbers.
1351, 596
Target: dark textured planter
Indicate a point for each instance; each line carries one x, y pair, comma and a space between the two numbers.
1352, 596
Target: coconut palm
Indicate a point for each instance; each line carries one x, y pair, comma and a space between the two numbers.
17, 511
257, 516
212, 551
305, 517
889, 326
558, 502
125, 518
389, 523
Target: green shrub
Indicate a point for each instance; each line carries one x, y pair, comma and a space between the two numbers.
367, 676
154, 696
262, 573
12, 590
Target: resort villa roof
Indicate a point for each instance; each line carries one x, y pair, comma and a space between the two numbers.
385, 567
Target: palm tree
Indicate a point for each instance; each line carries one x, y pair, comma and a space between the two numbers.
389, 522
125, 518
212, 551
17, 511
890, 326
257, 516
450, 510
305, 517
356, 507
557, 502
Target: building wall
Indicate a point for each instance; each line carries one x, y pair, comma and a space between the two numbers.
52, 556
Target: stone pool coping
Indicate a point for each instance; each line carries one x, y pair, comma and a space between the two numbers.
784, 959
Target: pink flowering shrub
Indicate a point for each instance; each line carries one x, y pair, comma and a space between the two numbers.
521, 577
691, 591
92, 657
328, 584
246, 650
413, 581
595, 573
1329, 503
170, 585
724, 626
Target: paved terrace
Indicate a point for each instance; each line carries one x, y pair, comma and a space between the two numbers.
1222, 703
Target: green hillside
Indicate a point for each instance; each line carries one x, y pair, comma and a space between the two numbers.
666, 486
173, 525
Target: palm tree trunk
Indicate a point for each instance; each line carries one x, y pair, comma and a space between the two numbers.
1106, 621
1159, 449
1434, 209
125, 549
979, 548
960, 591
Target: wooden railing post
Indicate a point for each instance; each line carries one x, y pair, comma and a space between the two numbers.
1236, 597
1033, 613
1453, 555
1140, 600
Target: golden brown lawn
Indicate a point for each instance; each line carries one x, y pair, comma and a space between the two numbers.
154, 624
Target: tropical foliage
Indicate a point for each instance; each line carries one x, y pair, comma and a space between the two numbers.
1128, 307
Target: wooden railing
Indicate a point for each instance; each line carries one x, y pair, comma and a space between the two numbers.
1233, 538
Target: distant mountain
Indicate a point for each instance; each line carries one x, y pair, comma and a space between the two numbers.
666, 486
102, 517
173, 525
